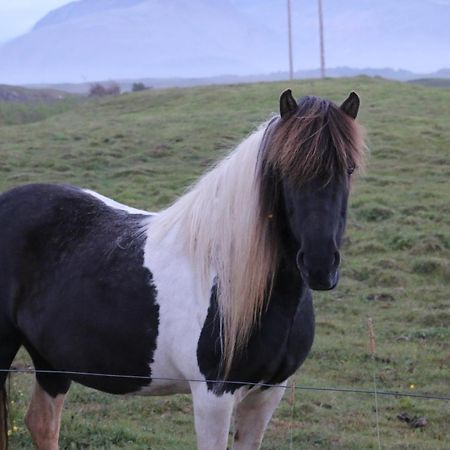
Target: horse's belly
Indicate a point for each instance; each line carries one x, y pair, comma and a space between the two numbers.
165, 386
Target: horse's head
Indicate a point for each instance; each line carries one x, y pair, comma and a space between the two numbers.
316, 214
311, 153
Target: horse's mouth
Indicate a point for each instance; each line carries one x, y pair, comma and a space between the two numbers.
322, 283
317, 278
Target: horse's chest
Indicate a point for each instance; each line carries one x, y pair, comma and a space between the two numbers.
275, 350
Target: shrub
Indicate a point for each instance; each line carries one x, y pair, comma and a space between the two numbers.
101, 90
139, 86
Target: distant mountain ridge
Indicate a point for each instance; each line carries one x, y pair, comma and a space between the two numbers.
90, 40
81, 9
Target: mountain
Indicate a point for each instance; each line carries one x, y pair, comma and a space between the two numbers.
103, 39
90, 40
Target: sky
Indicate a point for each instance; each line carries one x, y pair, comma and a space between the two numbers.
18, 16
400, 34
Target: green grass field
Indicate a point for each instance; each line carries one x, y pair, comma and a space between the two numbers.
144, 149
19, 105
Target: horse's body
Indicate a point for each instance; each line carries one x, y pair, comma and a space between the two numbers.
90, 286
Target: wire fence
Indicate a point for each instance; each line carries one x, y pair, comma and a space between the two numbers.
292, 387
238, 382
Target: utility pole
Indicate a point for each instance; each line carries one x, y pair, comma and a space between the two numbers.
322, 45
291, 65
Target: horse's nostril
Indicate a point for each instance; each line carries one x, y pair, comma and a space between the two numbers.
300, 259
337, 259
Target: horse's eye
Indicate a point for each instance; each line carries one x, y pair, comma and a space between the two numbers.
350, 170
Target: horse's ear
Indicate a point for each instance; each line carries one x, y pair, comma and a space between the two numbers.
288, 105
351, 105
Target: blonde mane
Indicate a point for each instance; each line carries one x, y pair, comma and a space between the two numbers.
219, 223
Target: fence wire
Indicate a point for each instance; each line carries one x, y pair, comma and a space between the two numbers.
240, 382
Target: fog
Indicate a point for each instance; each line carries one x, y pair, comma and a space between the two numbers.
115, 39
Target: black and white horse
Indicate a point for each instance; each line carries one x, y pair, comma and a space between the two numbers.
217, 287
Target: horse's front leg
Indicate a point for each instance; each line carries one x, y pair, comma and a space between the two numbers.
43, 418
212, 414
253, 413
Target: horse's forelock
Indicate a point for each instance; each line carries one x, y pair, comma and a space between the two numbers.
319, 140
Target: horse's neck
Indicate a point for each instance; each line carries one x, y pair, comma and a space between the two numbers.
288, 284
287, 272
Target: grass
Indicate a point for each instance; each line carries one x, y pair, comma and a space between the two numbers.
432, 82
20, 105
145, 148
23, 113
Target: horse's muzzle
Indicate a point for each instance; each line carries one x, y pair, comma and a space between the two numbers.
318, 277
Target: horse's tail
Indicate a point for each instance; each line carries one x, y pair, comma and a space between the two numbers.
3, 418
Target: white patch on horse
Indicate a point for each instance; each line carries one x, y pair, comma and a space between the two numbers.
212, 415
182, 312
116, 205
216, 234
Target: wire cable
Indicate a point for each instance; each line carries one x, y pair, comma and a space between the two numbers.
240, 382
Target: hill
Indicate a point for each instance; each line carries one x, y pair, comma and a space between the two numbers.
19, 105
91, 40
19, 94
98, 40
432, 82
145, 148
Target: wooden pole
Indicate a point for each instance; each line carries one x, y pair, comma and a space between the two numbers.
291, 65
322, 45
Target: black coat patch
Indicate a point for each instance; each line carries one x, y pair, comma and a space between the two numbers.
275, 350
79, 295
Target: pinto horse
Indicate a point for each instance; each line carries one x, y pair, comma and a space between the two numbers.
210, 296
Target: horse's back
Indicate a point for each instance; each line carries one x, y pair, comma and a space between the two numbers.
73, 277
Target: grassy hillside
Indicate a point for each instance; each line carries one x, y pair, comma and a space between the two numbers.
144, 149
432, 82
19, 105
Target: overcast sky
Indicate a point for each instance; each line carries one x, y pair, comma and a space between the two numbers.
408, 34
18, 16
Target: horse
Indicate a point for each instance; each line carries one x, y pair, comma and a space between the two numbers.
211, 296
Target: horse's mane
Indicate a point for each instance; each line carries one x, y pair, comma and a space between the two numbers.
221, 220
320, 140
